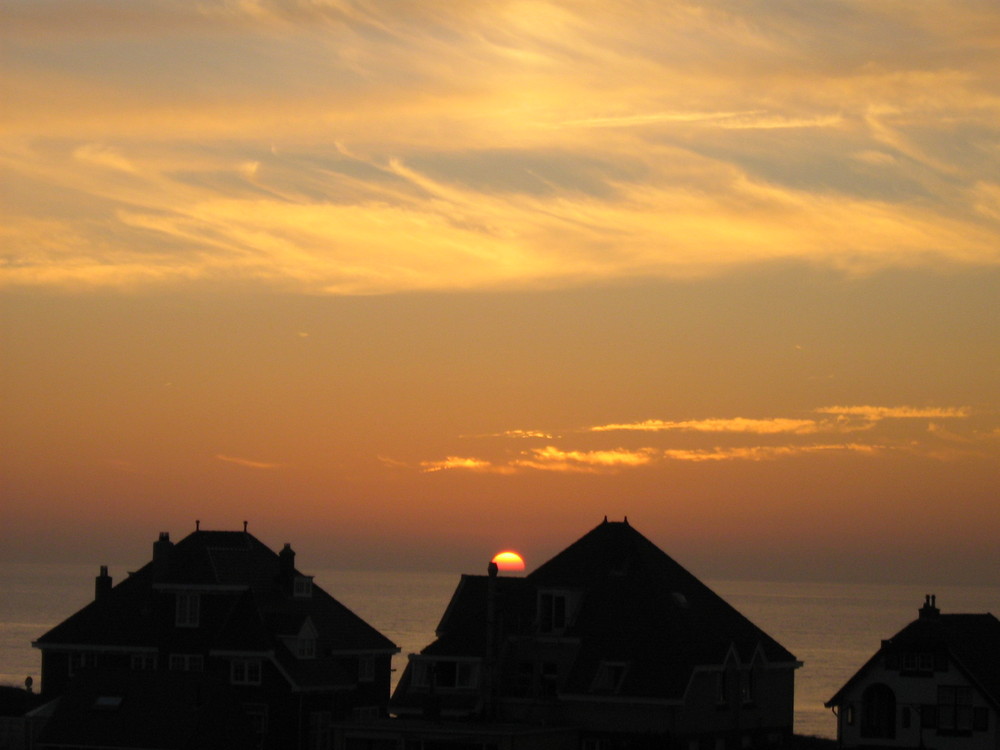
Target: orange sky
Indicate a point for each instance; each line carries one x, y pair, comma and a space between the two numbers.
406, 284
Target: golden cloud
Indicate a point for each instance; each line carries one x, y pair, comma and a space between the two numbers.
736, 424
876, 413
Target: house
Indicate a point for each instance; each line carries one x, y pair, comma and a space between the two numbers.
612, 643
935, 684
216, 639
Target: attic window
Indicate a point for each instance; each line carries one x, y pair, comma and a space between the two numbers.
306, 647
303, 587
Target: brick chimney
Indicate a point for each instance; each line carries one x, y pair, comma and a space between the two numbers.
162, 549
287, 558
102, 584
929, 610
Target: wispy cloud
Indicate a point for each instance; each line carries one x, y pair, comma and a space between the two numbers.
876, 413
735, 424
767, 453
360, 154
465, 463
248, 463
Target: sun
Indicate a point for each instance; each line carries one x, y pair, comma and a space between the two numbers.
508, 560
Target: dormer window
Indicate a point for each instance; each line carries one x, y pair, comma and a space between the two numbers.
303, 587
188, 610
305, 641
306, 648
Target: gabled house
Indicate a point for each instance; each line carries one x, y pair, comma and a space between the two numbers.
217, 636
935, 684
612, 639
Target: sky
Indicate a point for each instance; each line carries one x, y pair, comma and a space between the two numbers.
409, 283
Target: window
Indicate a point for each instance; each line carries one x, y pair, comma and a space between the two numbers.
319, 730
721, 688
245, 672
187, 663
366, 669
954, 708
421, 673
143, 662
551, 612
609, 676
80, 661
305, 647
302, 587
188, 610
257, 713
446, 673
548, 681
747, 686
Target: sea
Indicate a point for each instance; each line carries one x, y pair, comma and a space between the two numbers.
832, 628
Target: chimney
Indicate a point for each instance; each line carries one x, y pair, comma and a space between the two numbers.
929, 610
102, 584
162, 548
287, 559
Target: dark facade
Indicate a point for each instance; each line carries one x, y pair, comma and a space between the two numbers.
935, 684
218, 639
611, 639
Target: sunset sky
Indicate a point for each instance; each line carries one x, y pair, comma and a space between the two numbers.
409, 283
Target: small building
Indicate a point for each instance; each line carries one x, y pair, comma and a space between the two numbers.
935, 684
611, 643
215, 640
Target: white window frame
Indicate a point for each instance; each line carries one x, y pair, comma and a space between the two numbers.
186, 663
245, 672
188, 612
144, 662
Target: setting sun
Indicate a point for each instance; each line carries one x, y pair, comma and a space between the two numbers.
508, 560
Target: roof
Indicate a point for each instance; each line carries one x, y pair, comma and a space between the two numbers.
250, 607
971, 640
643, 608
637, 606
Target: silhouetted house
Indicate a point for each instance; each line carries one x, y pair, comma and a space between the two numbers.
611, 639
935, 684
216, 639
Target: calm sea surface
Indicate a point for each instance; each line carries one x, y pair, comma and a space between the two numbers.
833, 628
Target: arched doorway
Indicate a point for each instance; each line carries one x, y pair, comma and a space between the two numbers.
878, 712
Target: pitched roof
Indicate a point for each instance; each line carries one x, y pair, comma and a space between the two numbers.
643, 608
972, 641
637, 606
255, 604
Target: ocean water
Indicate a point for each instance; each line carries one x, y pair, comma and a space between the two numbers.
832, 627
